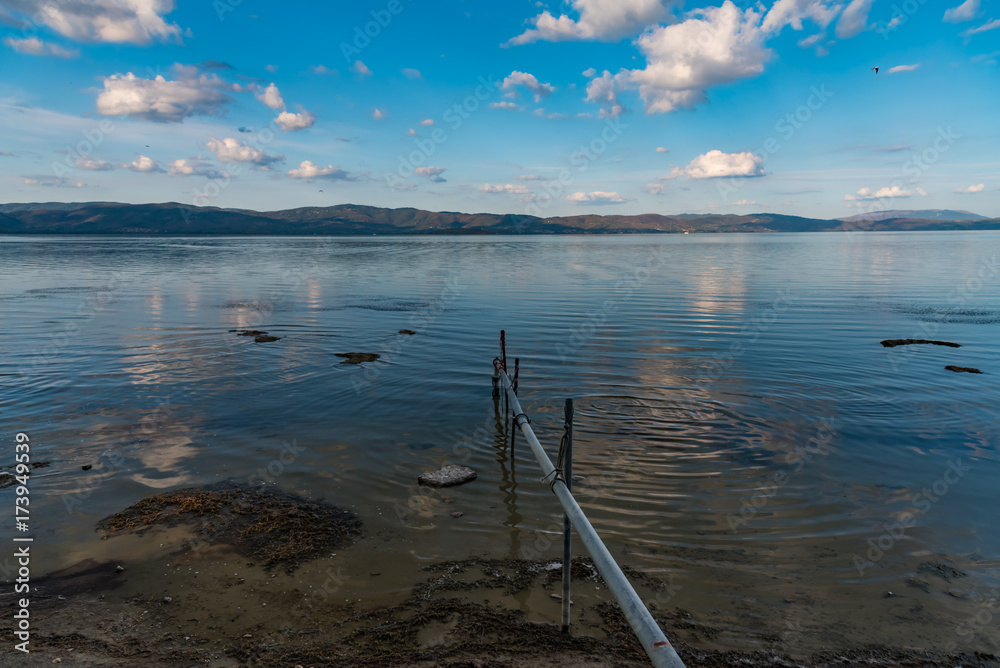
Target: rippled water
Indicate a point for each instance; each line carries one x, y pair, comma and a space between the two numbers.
739, 428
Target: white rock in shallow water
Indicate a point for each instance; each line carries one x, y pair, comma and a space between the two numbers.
447, 476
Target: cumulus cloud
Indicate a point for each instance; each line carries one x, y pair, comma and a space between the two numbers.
597, 197
502, 105
361, 69
290, 122
411, 133
115, 21
660, 149
715, 45
716, 165
143, 164
507, 188
598, 20
411, 73
972, 189
93, 165
192, 167
232, 150
655, 188
33, 46
427, 121
322, 70
964, 12
889, 192
854, 20
378, 114
52, 181
308, 170
745, 202
903, 68
529, 81
433, 173
269, 96
792, 12
162, 100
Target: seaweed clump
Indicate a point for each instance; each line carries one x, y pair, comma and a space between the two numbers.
273, 527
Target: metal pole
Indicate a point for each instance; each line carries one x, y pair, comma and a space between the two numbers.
659, 649
517, 371
567, 529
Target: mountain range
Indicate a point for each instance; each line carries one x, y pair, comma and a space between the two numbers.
176, 219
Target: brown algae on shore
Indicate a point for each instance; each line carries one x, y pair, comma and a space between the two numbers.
273, 527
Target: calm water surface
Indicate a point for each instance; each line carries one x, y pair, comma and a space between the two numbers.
739, 428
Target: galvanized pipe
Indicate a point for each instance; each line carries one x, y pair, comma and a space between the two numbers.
659, 649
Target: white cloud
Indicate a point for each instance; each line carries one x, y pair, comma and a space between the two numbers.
502, 105
507, 188
270, 96
990, 25
854, 20
972, 189
378, 114
322, 70
599, 20
660, 149
964, 12
529, 81
806, 42
162, 100
427, 121
903, 68
361, 69
792, 12
273, 68
52, 182
411, 73
308, 170
433, 173
715, 45
889, 192
191, 167
597, 197
529, 177
116, 21
143, 164
745, 202
656, 188
232, 150
290, 122
93, 165
716, 164
411, 133
33, 46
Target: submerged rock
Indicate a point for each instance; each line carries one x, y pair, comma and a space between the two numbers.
265, 338
962, 369
358, 358
408, 332
892, 343
248, 332
448, 476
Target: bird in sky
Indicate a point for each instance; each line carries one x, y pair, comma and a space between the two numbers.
876, 69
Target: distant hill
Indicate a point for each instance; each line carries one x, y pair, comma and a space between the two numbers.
923, 214
175, 219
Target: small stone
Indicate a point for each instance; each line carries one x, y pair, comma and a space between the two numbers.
358, 358
87, 467
167, 599
408, 332
119, 569
374, 574
448, 476
57, 660
457, 514
247, 635
266, 338
554, 566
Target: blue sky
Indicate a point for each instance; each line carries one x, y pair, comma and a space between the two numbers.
589, 106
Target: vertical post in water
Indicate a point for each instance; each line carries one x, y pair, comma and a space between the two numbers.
513, 427
567, 528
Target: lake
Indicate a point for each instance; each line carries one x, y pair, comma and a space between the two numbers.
740, 432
